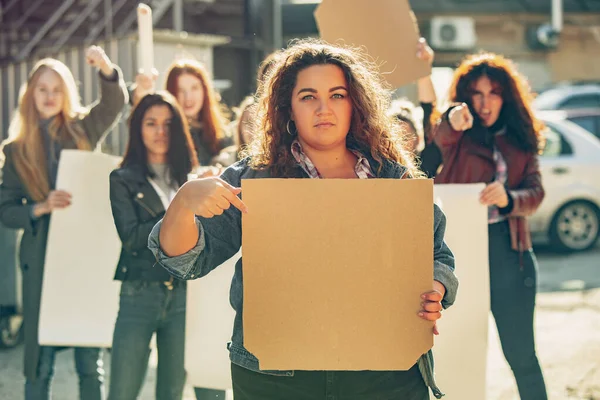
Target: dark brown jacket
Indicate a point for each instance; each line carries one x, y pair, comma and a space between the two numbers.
468, 159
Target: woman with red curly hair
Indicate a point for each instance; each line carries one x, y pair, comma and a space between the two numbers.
189, 82
491, 136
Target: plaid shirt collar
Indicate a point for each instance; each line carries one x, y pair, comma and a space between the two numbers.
362, 168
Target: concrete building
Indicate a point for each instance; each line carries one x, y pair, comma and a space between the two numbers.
230, 36
233, 36
514, 28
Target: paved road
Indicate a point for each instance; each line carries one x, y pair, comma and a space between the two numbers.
568, 339
567, 330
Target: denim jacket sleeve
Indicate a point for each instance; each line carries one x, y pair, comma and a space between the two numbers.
443, 259
220, 238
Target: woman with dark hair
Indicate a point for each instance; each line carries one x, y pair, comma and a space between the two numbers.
492, 136
322, 114
159, 155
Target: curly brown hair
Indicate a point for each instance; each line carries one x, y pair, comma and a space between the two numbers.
372, 131
524, 130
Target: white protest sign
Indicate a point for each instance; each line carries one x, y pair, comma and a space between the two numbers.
80, 299
460, 350
208, 328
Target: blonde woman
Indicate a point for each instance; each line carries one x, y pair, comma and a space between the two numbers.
50, 118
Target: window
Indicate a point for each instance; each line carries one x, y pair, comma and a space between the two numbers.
590, 123
556, 144
582, 101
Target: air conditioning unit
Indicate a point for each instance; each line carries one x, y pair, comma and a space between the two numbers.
453, 33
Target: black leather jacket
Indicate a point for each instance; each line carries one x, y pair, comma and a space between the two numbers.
136, 208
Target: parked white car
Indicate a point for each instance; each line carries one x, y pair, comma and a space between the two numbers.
569, 216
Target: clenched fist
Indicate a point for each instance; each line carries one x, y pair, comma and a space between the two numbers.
96, 57
460, 118
424, 52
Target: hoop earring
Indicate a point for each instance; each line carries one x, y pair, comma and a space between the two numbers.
287, 127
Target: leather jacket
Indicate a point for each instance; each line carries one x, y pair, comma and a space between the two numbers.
136, 208
468, 158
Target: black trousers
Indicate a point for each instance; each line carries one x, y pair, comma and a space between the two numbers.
513, 285
329, 385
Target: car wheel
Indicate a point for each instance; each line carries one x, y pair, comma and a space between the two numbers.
575, 226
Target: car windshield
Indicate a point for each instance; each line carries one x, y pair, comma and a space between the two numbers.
568, 97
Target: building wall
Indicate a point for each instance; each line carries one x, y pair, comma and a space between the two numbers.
577, 56
123, 52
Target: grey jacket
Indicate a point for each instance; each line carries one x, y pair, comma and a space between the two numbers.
16, 210
220, 238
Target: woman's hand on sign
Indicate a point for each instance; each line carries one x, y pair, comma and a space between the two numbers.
208, 197
494, 194
431, 305
57, 199
144, 84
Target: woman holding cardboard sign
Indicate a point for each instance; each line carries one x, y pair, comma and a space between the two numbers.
492, 136
323, 115
50, 118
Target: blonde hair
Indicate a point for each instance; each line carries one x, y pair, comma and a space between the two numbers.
28, 152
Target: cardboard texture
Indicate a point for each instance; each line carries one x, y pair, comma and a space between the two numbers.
387, 29
208, 328
333, 272
463, 328
461, 348
80, 300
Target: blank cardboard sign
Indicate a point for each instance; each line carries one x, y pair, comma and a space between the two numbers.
387, 29
333, 272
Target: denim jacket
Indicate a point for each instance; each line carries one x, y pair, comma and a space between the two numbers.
221, 237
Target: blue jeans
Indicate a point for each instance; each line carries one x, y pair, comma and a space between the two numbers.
147, 308
513, 287
89, 366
